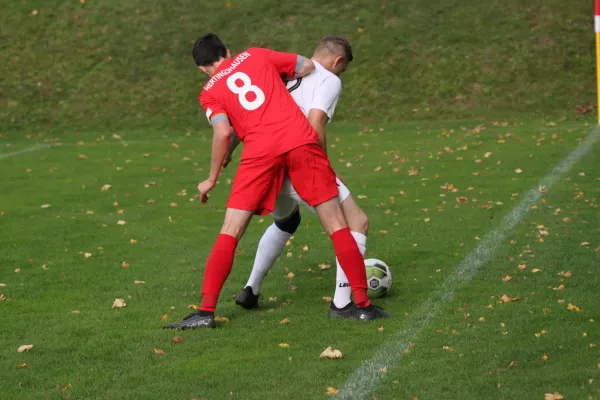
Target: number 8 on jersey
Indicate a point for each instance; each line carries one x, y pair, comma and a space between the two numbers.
242, 91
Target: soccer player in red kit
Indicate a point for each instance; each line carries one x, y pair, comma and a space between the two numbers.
247, 93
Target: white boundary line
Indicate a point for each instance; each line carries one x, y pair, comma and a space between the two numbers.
367, 376
25, 150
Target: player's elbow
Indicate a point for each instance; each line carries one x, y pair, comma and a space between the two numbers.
308, 66
222, 130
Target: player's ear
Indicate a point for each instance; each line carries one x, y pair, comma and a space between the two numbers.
203, 69
228, 54
337, 61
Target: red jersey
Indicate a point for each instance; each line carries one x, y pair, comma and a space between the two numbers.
249, 90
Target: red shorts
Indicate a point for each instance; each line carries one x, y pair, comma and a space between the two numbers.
258, 182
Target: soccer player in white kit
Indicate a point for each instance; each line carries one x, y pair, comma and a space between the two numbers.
317, 95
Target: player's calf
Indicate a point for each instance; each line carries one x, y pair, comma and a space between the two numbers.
355, 217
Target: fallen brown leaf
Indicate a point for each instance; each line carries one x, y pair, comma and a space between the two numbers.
164, 317
25, 347
284, 321
331, 391
328, 299
507, 299
159, 351
119, 303
284, 345
573, 307
19, 366
553, 396
177, 339
331, 353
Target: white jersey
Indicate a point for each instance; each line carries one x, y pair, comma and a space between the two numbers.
320, 90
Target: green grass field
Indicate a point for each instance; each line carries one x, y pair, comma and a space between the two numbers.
452, 112
59, 299
114, 64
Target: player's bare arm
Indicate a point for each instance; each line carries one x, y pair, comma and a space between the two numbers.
318, 120
234, 141
220, 143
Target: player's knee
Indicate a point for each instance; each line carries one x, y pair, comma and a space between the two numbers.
290, 224
236, 222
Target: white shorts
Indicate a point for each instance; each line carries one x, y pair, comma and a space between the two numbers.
288, 199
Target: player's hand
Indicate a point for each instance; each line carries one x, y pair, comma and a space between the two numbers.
204, 188
227, 159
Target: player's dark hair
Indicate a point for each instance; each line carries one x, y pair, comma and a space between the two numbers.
336, 45
208, 49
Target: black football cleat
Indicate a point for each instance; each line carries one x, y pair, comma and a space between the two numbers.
371, 312
247, 299
194, 321
348, 312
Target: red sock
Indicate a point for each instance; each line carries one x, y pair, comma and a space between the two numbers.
217, 270
353, 265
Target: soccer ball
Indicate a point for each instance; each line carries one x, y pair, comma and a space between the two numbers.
379, 277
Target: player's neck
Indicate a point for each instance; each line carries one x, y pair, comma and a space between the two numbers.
211, 69
323, 62
317, 59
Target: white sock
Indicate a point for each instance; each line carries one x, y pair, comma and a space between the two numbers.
269, 248
343, 291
